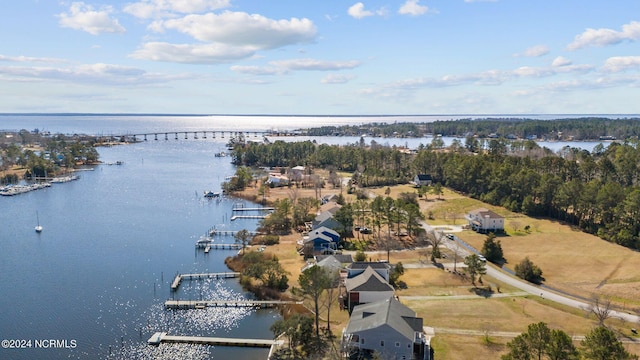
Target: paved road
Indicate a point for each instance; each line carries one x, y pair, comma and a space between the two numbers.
499, 274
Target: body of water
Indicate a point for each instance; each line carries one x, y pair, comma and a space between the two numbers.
96, 278
99, 273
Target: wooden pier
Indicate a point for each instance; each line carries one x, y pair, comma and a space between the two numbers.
235, 217
219, 246
201, 304
242, 208
178, 279
214, 231
163, 337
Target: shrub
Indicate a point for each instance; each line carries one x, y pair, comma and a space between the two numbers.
527, 270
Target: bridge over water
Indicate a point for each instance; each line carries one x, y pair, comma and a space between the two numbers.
196, 134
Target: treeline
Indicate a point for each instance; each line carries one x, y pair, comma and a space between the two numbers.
598, 192
577, 129
580, 129
58, 153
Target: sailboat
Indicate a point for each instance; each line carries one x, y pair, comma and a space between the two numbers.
38, 227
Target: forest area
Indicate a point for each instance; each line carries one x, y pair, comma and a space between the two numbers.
596, 191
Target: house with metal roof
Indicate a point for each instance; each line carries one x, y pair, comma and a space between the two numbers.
388, 329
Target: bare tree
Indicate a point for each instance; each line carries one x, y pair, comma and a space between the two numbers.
456, 252
435, 238
600, 308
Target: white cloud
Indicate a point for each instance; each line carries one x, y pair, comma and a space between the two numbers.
561, 61
258, 70
604, 37
242, 29
146, 9
215, 53
316, 65
337, 79
411, 7
621, 63
83, 17
535, 51
484, 78
84, 74
28, 59
357, 11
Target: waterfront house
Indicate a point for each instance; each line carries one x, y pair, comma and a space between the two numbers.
485, 221
366, 287
277, 180
422, 180
388, 329
326, 219
321, 240
356, 268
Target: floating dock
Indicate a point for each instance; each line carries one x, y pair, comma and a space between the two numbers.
201, 304
163, 337
178, 279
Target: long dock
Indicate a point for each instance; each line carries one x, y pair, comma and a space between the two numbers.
230, 246
235, 217
178, 279
201, 304
253, 209
214, 231
163, 337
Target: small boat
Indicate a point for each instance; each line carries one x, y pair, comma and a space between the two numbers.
211, 194
38, 227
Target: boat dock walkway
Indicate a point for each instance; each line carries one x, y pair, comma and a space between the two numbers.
229, 246
201, 304
178, 279
235, 217
214, 231
242, 208
163, 337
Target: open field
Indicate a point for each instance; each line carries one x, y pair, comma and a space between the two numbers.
588, 265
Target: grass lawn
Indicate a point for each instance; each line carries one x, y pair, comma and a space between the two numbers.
573, 261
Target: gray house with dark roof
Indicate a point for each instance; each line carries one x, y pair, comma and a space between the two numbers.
358, 267
367, 287
387, 328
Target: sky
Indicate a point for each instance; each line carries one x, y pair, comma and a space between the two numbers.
321, 57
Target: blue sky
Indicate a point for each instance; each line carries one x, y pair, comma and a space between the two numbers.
321, 57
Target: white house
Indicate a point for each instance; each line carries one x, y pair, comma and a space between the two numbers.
485, 221
422, 180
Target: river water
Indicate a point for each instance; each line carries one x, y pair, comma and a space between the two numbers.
96, 278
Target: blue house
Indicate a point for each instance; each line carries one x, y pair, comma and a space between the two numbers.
321, 241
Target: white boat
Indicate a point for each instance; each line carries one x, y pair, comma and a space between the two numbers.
38, 227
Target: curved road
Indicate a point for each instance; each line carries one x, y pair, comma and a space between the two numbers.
499, 274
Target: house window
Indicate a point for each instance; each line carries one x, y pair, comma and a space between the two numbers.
362, 341
397, 344
381, 342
